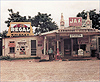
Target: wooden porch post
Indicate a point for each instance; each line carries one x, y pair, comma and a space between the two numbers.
71, 47
79, 44
58, 47
45, 45
54, 48
57, 38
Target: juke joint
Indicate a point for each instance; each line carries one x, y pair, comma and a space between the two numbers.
78, 39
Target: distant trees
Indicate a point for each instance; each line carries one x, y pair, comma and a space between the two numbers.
15, 17
95, 17
3, 34
43, 22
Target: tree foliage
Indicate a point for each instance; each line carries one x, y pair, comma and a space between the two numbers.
4, 34
95, 17
15, 17
43, 22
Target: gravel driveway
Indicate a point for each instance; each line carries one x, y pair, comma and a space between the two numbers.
29, 71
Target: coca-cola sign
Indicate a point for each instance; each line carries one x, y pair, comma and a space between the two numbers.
75, 21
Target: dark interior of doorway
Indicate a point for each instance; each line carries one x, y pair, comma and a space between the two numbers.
33, 47
99, 44
0, 46
75, 45
93, 52
67, 47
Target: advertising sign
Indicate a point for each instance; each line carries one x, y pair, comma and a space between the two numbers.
75, 21
83, 40
20, 29
11, 45
76, 35
80, 52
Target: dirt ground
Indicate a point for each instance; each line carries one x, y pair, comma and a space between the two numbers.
29, 71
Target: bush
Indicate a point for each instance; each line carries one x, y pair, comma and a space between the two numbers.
5, 57
9, 58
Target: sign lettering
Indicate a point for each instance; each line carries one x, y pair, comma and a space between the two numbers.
76, 35
75, 21
20, 29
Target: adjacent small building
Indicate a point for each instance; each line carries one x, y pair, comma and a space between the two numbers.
0, 46
21, 41
79, 39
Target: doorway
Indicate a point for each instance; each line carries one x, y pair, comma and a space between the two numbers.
67, 47
0, 46
75, 45
99, 45
33, 47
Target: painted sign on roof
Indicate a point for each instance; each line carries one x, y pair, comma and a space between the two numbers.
75, 21
20, 29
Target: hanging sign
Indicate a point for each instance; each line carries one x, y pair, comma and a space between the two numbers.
76, 35
75, 21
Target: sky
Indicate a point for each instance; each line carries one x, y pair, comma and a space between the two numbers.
54, 7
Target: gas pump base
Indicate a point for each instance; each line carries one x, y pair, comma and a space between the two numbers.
57, 57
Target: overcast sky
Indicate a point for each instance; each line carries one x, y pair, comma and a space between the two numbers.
55, 8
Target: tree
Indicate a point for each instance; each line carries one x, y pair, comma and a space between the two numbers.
15, 17
4, 34
95, 17
43, 22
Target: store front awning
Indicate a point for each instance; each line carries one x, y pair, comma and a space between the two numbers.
68, 31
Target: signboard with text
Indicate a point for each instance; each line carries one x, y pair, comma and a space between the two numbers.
76, 35
80, 52
20, 29
75, 21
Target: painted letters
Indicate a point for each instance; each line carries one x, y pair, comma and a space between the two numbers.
75, 21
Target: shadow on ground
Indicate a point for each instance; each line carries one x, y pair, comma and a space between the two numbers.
78, 59
43, 60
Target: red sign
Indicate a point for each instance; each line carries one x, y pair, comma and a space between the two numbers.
75, 21
3, 47
11, 45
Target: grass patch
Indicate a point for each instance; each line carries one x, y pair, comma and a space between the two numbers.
5, 57
10, 58
78, 59
43, 60
64, 60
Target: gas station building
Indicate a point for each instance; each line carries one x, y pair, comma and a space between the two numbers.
79, 39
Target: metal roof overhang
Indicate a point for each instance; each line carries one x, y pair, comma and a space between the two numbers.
71, 31
84, 33
51, 33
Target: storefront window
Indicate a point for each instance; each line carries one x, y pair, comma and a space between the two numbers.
83, 46
22, 50
75, 45
11, 41
12, 49
99, 44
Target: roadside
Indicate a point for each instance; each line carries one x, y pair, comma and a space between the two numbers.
28, 70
